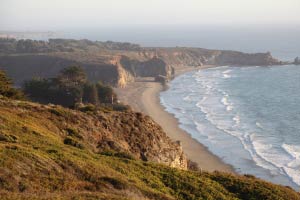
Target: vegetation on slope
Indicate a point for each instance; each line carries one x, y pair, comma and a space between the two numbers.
43, 157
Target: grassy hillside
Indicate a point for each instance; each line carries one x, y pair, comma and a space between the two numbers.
49, 152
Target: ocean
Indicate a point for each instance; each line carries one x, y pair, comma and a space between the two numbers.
247, 116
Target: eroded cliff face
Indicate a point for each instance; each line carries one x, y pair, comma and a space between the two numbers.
152, 67
124, 77
140, 135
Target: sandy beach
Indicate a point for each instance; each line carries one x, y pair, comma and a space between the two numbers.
143, 96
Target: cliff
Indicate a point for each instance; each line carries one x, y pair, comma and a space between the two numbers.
112, 63
149, 68
50, 152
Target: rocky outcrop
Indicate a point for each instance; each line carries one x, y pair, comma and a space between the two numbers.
141, 136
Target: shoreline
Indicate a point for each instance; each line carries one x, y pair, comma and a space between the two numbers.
143, 96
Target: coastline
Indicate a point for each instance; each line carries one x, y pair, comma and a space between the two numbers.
143, 96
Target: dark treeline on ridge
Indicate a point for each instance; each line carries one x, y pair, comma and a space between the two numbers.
11, 45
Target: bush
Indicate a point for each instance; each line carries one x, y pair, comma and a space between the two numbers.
120, 107
193, 166
116, 183
8, 138
88, 108
72, 142
118, 154
73, 133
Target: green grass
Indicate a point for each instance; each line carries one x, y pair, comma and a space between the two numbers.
36, 162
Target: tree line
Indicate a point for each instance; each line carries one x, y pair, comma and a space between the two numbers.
69, 88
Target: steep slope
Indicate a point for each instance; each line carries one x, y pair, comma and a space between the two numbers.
127, 131
49, 152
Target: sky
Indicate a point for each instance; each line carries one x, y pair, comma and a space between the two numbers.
61, 14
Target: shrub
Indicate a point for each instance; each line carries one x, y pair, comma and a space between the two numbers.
72, 142
193, 166
117, 154
8, 138
73, 133
88, 108
120, 107
116, 183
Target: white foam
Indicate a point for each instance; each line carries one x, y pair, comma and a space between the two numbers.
237, 119
227, 71
225, 101
226, 74
293, 150
259, 125
187, 98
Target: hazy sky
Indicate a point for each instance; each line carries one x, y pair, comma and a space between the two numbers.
60, 14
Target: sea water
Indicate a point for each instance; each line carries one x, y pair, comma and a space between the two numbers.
248, 116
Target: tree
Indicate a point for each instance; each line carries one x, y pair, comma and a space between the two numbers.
90, 94
65, 90
106, 93
6, 88
38, 89
72, 77
70, 82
